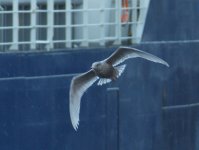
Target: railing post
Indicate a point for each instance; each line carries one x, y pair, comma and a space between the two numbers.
134, 21
68, 23
102, 22
118, 28
33, 24
1, 24
15, 23
85, 23
50, 22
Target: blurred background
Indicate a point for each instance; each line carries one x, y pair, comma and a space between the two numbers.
43, 44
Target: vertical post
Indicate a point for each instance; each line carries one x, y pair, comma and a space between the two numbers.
15, 23
118, 28
85, 23
112, 122
50, 22
68, 19
1, 24
102, 22
33, 24
142, 18
134, 20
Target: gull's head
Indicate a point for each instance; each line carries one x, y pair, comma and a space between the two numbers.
96, 65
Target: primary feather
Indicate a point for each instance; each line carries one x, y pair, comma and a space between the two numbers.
79, 85
124, 53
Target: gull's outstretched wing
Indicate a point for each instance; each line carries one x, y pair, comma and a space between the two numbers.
123, 53
79, 85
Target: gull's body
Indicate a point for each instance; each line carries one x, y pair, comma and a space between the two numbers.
106, 71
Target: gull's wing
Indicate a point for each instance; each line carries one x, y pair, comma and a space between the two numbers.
123, 53
79, 85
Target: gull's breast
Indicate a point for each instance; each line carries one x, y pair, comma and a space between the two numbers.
106, 71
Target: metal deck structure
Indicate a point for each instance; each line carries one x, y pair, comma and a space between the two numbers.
61, 24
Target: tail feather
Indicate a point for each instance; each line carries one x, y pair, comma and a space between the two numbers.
103, 81
120, 70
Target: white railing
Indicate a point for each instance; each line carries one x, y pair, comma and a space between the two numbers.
34, 24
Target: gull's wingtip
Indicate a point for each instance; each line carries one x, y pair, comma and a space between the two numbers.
166, 64
75, 125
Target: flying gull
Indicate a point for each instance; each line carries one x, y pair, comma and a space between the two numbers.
105, 71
